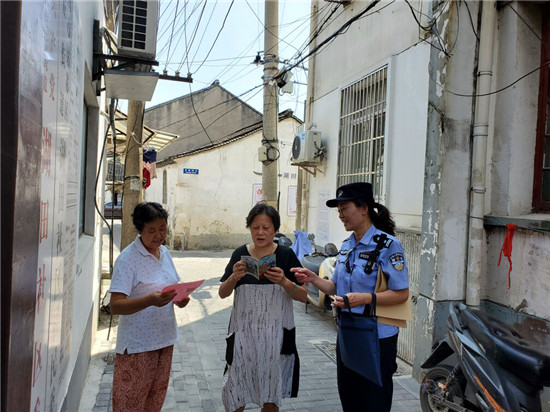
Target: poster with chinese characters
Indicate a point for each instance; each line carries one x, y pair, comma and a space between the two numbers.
36, 40
61, 67
291, 200
323, 233
256, 193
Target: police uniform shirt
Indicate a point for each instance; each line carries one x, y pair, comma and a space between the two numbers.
391, 259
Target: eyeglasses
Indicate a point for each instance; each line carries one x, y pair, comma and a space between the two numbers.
373, 257
347, 264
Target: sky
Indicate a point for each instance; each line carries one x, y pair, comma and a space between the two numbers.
219, 39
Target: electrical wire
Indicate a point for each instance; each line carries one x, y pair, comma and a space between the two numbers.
524, 22
471, 19
99, 211
182, 29
205, 30
211, 108
220, 116
413, 10
342, 29
493, 92
320, 27
172, 35
194, 33
309, 17
266, 29
432, 27
229, 67
217, 36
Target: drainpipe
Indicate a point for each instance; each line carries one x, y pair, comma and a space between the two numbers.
476, 234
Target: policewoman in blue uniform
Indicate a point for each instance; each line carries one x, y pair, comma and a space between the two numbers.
355, 278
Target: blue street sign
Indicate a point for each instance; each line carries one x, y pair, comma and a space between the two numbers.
191, 171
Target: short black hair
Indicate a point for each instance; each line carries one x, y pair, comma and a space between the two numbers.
147, 212
264, 209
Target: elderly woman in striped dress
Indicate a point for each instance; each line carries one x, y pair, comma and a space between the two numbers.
262, 360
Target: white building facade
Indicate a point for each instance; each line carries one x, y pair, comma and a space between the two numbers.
209, 192
396, 98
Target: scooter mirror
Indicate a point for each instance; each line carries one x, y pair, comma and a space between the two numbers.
331, 249
284, 241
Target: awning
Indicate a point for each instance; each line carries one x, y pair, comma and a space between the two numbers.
151, 138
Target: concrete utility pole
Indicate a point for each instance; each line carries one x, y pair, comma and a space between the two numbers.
270, 170
133, 176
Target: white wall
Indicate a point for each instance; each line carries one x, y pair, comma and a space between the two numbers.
367, 44
405, 139
406, 132
68, 261
530, 276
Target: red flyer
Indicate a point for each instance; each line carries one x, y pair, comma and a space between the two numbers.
183, 289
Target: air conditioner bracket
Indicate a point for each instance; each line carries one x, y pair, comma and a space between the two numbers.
310, 167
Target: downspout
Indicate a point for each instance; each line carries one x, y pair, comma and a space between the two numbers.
476, 234
303, 176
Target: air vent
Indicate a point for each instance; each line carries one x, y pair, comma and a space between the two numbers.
137, 28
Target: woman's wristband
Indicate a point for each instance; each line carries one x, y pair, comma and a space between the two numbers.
294, 289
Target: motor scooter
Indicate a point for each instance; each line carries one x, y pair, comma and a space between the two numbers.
321, 262
483, 364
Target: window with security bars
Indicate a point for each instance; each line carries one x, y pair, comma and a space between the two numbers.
362, 128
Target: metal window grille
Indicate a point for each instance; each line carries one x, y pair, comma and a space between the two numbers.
362, 128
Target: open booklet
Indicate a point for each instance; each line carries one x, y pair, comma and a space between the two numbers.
183, 289
258, 267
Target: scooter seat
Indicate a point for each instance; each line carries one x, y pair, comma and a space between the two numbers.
508, 348
312, 262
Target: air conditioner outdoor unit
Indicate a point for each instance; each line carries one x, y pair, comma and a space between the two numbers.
137, 28
306, 148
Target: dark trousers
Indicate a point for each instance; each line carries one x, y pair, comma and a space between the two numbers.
359, 394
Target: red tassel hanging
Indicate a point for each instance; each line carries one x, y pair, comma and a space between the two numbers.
506, 249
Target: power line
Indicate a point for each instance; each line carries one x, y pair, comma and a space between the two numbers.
219, 117
524, 22
493, 92
471, 20
266, 29
342, 29
194, 34
216, 105
318, 29
217, 36
172, 35
205, 30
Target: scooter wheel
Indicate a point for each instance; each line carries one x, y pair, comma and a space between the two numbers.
433, 383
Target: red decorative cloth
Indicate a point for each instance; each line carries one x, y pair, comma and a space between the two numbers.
146, 178
506, 249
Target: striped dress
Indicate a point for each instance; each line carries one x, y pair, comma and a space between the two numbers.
262, 362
